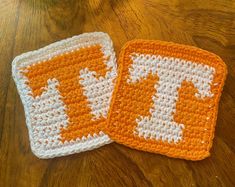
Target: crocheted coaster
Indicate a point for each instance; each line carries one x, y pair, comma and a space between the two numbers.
66, 91
166, 99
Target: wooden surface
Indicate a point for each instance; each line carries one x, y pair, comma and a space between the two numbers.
30, 24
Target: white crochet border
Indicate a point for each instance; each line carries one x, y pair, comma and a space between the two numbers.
45, 53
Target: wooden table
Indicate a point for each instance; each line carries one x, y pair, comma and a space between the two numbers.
30, 24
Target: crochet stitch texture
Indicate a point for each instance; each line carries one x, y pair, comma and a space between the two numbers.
166, 99
66, 91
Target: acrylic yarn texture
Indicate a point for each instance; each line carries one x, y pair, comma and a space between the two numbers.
66, 90
166, 99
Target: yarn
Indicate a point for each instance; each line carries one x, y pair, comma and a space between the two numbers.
66, 90
166, 99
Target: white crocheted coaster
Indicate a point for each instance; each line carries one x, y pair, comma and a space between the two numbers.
66, 88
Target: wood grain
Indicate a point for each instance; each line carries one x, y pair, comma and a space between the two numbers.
30, 24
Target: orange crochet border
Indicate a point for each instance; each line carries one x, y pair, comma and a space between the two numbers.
122, 132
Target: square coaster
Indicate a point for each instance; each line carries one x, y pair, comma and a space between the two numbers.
166, 99
66, 89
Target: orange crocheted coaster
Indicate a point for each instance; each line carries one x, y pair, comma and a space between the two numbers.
166, 99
